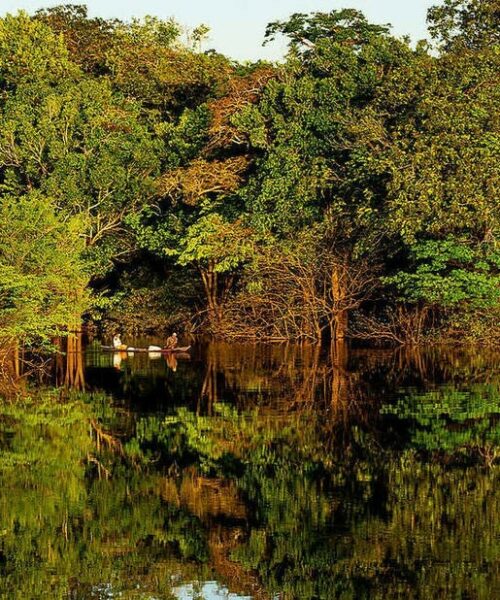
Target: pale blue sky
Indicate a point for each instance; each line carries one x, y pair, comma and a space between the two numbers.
237, 26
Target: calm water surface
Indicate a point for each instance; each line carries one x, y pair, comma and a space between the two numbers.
253, 472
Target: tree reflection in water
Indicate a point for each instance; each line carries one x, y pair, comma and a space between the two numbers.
272, 472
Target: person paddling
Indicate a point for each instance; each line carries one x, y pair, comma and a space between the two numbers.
117, 343
171, 342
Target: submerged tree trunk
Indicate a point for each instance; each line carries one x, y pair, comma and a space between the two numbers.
209, 278
340, 322
216, 291
74, 377
16, 359
340, 317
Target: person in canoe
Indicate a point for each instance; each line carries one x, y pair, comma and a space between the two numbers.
117, 343
171, 342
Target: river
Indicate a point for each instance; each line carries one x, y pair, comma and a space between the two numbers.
239, 471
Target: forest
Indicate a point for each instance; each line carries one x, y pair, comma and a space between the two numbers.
349, 191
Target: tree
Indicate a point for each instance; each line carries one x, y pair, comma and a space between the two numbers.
286, 290
88, 40
465, 24
144, 59
42, 273
456, 279
149, 63
307, 171
217, 247
441, 149
199, 221
76, 141
85, 148
433, 153
30, 51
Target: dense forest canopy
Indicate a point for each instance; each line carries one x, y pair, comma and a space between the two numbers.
352, 190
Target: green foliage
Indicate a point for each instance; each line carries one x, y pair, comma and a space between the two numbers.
30, 51
213, 239
469, 24
147, 62
450, 274
173, 160
311, 169
347, 27
84, 147
87, 39
151, 31
42, 273
440, 149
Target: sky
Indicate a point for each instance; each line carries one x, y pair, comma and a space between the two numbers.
238, 26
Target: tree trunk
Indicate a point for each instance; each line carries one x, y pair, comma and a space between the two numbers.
340, 325
210, 283
16, 360
74, 377
339, 322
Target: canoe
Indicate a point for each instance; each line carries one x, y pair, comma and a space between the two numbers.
134, 350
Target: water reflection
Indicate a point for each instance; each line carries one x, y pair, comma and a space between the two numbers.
254, 472
211, 590
245, 375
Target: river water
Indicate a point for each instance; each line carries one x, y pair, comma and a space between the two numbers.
253, 471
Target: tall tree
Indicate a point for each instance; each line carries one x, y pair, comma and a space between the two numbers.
88, 39
465, 24
308, 175
76, 141
433, 151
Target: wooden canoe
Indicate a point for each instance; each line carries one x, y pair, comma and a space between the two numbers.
134, 350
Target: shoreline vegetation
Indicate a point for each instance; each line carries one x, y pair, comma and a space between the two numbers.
348, 192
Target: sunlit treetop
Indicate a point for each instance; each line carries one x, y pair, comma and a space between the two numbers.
470, 24
346, 27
